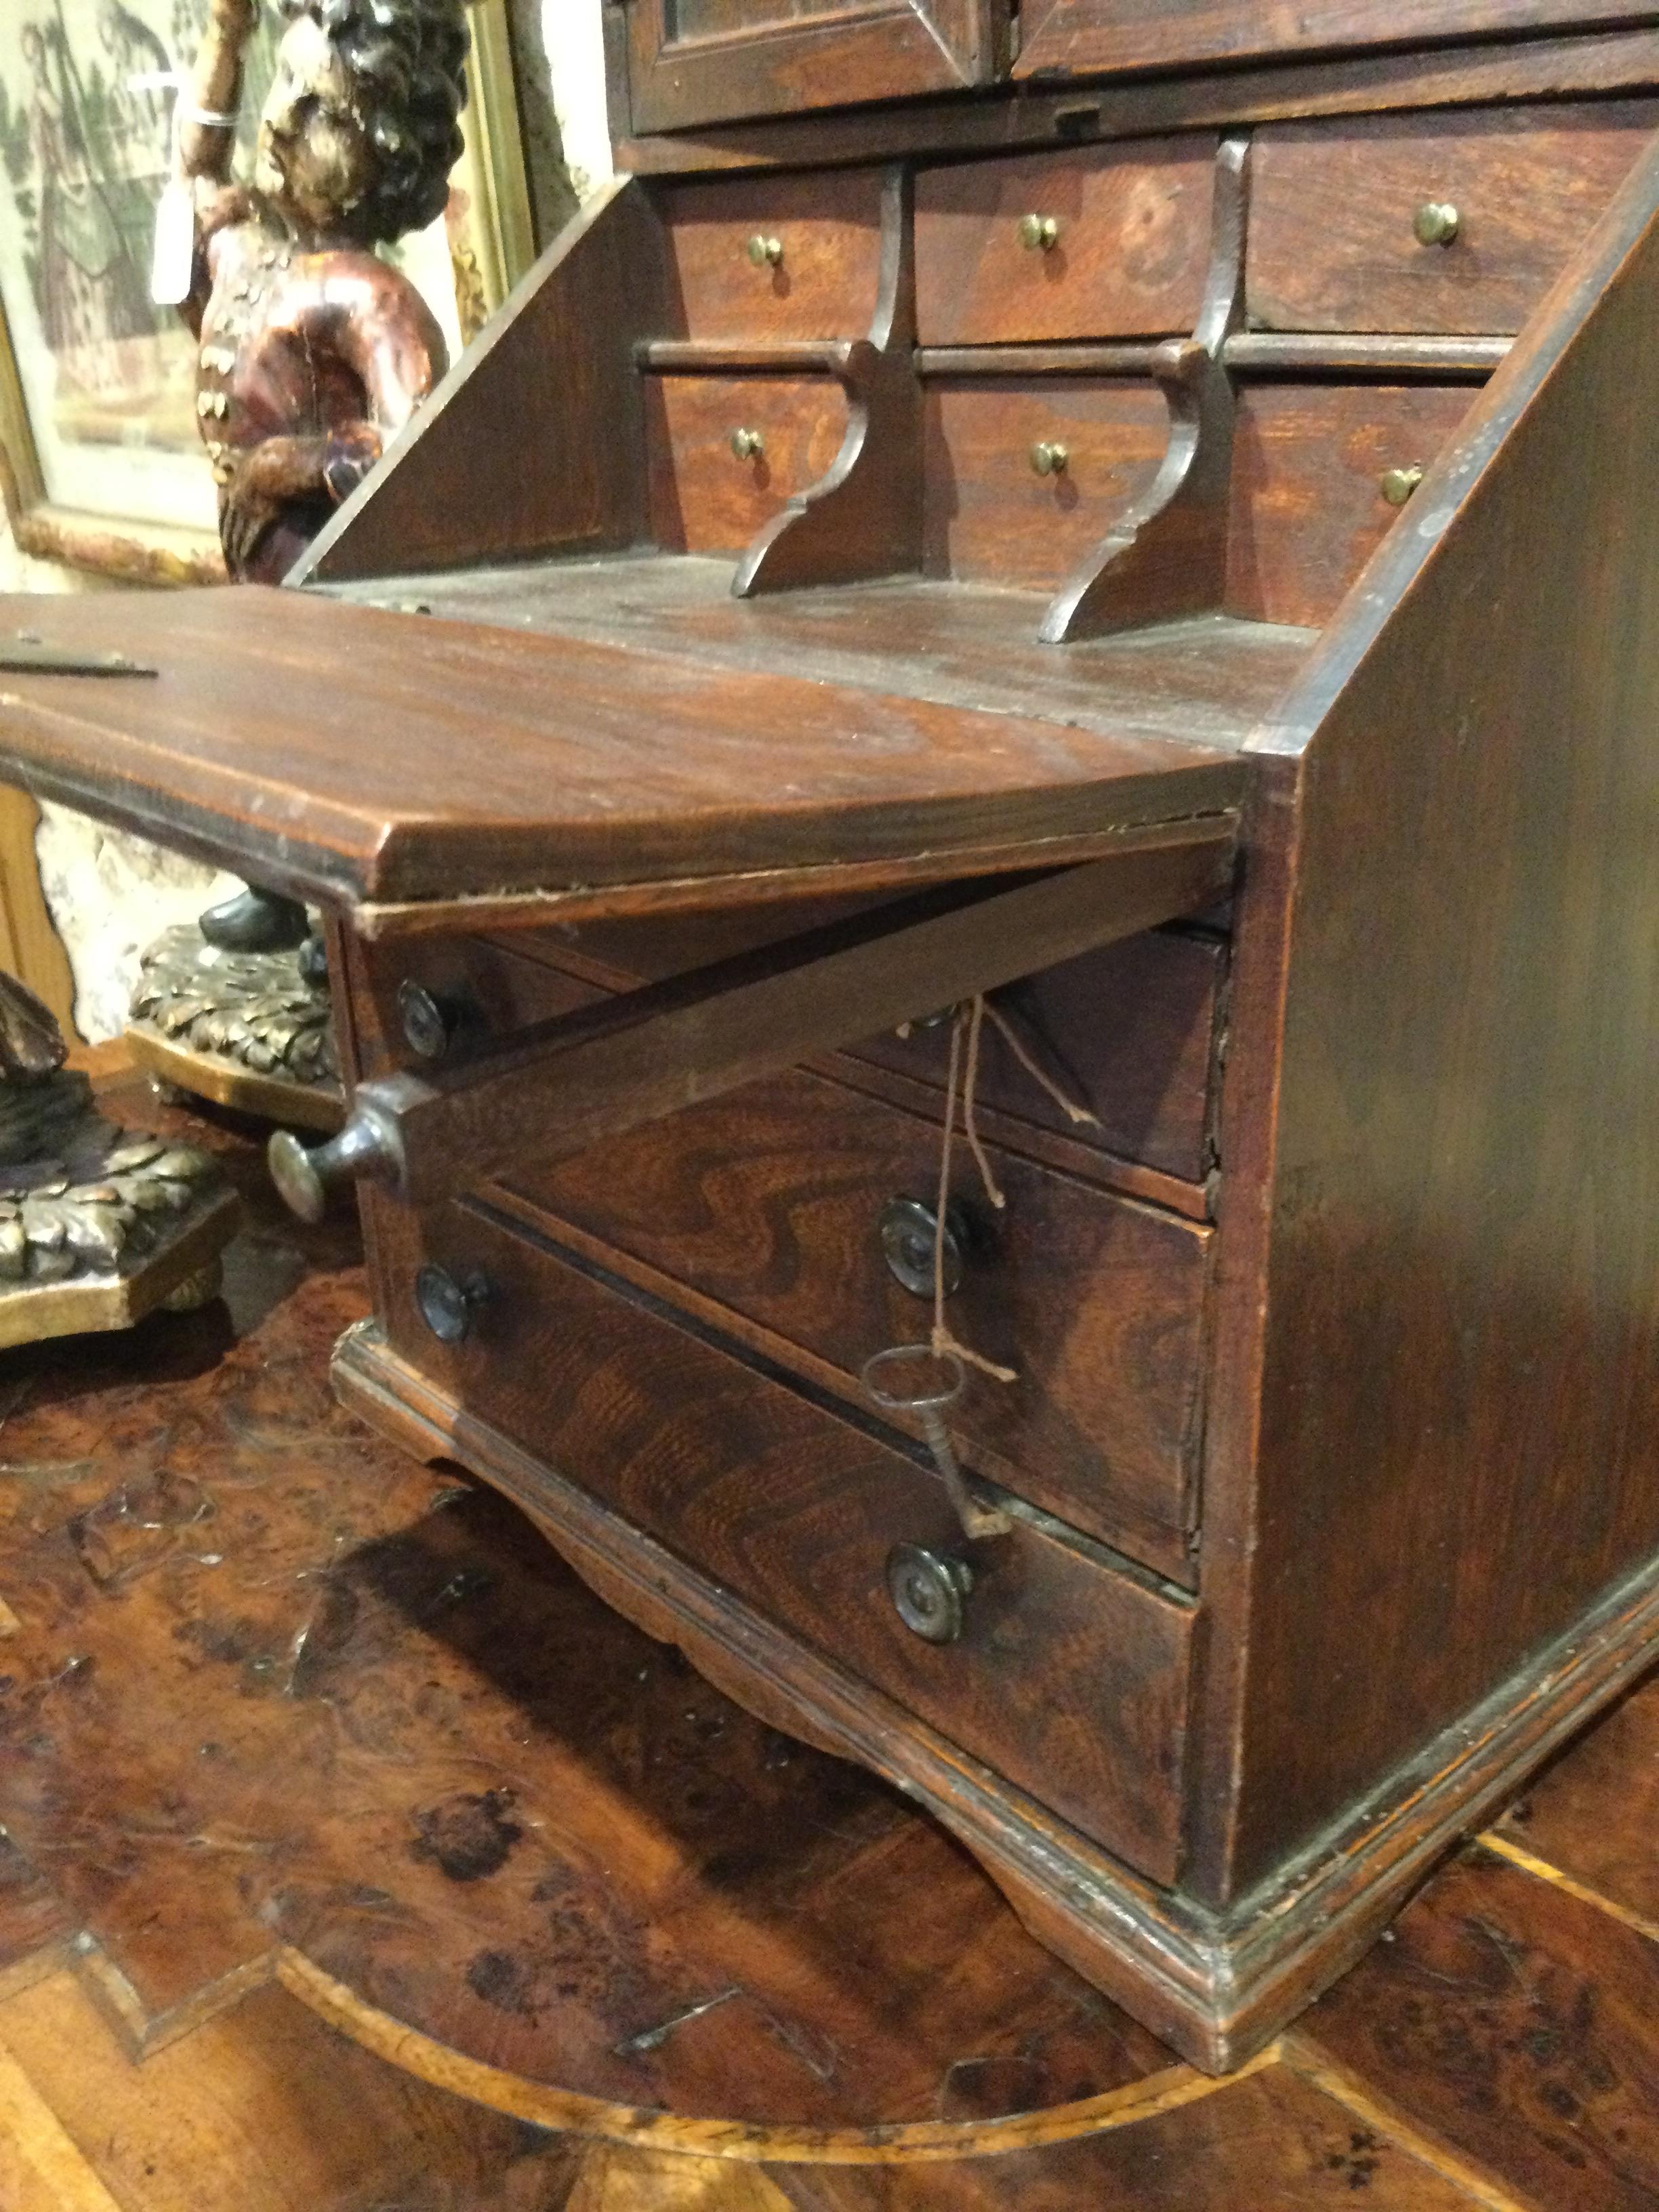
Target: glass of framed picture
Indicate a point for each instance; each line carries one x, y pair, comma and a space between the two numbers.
102, 462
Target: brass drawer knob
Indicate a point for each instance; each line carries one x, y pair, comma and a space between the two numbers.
909, 1230
1049, 459
1435, 223
1397, 485
929, 1590
748, 445
1039, 234
449, 1304
765, 253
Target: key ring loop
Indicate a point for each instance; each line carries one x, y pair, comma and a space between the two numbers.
934, 1402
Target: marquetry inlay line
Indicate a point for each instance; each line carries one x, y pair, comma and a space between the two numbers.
902, 2143
143, 2032
1542, 1870
34, 2142
1308, 2060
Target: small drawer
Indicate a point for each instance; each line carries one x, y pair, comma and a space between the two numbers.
1068, 1677
712, 486
1429, 223
778, 1207
782, 258
997, 507
1308, 507
1130, 1029
1102, 242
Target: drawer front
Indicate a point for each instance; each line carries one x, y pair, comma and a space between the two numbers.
1308, 507
1334, 209
784, 258
1068, 1678
1131, 1031
706, 495
770, 1207
1130, 244
989, 514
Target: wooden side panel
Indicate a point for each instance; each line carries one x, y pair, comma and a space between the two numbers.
533, 443
1460, 1413
1064, 38
1069, 1678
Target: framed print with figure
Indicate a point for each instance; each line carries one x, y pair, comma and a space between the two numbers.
101, 461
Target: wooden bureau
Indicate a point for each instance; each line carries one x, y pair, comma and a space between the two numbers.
1138, 514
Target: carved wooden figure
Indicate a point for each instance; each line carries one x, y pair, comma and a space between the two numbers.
1130, 521
314, 353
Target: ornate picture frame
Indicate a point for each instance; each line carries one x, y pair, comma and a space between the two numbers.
101, 466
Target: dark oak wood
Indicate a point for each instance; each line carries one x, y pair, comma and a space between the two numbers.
704, 496
824, 281
1077, 37
700, 61
1128, 261
1308, 509
1332, 245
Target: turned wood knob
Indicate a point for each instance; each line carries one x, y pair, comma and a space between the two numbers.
748, 445
1397, 485
1435, 223
1039, 234
765, 253
1047, 458
307, 1177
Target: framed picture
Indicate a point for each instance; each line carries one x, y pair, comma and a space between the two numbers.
102, 462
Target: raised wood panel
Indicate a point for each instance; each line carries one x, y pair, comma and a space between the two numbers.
986, 514
708, 61
1070, 1678
769, 1201
1061, 38
1307, 509
1332, 245
1128, 259
705, 497
823, 285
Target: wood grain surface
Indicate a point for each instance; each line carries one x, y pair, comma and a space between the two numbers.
1332, 245
704, 497
1128, 261
824, 283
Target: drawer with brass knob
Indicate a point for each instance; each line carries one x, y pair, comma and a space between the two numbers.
1321, 473
1028, 1650
725, 453
799, 1216
1021, 478
1437, 223
1096, 242
773, 259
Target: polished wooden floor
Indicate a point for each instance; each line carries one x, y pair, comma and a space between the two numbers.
354, 1859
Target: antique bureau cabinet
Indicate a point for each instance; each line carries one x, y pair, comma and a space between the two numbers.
1142, 508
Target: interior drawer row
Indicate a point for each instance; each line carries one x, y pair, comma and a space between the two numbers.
1113, 240
1317, 469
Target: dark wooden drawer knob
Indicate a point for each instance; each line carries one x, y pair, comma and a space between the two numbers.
929, 1590
449, 1304
1435, 223
908, 1230
306, 1177
429, 1023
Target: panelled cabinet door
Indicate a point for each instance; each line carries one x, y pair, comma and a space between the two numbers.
712, 61
1077, 38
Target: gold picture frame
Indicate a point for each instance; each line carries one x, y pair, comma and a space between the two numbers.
465, 267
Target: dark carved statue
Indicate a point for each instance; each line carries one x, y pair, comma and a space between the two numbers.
314, 354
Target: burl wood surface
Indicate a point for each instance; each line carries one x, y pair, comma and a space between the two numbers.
316, 743
274, 1697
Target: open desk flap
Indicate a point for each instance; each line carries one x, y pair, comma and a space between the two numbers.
427, 773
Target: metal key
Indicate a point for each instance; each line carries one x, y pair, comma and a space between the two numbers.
929, 1408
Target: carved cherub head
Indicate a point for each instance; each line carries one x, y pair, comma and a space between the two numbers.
360, 132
